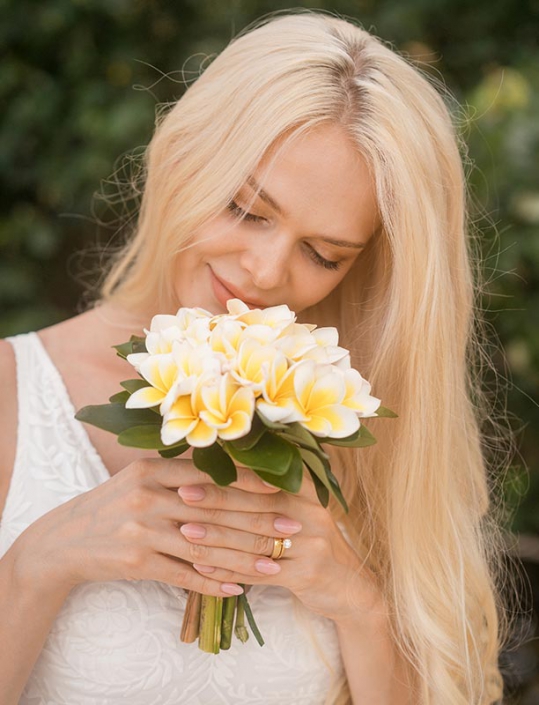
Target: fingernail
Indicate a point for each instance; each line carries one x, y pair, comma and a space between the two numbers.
267, 566
287, 526
193, 531
191, 492
231, 589
203, 568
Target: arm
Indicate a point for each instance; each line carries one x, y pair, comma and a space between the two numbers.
377, 674
21, 603
27, 612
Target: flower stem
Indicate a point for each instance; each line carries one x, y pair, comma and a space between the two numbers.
229, 608
191, 618
240, 630
210, 624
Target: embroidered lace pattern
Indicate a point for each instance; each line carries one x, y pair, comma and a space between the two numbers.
118, 642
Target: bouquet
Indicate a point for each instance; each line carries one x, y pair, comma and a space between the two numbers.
252, 387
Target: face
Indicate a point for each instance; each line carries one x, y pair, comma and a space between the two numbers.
300, 237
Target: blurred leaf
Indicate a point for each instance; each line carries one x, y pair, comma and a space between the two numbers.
115, 417
214, 461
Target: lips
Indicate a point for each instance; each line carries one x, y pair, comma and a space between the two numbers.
223, 291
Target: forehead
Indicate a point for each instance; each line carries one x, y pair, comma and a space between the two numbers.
321, 179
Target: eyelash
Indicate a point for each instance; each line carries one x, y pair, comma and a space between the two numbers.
314, 255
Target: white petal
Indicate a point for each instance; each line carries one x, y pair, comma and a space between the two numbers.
136, 359
144, 398
236, 307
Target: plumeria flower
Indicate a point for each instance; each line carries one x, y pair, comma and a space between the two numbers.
225, 337
229, 408
161, 372
357, 395
223, 410
186, 316
295, 340
252, 364
320, 391
278, 401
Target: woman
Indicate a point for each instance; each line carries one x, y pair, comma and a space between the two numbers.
308, 165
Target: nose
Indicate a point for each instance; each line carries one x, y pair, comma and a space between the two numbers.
267, 258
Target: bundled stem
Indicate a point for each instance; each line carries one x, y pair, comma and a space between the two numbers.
229, 609
191, 619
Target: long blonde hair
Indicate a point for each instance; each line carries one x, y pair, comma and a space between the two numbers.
420, 505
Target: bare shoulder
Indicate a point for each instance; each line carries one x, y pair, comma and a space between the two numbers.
8, 416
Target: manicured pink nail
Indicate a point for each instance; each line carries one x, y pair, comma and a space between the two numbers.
231, 589
191, 493
193, 531
203, 568
267, 566
287, 526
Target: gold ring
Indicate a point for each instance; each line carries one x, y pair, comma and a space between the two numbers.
279, 547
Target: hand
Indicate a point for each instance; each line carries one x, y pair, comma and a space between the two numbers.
127, 528
231, 530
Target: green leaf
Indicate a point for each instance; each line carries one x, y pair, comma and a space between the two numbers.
314, 463
124, 349
360, 439
322, 471
296, 433
174, 451
136, 344
133, 385
384, 412
322, 491
214, 461
147, 436
336, 489
114, 417
291, 480
271, 454
250, 439
119, 398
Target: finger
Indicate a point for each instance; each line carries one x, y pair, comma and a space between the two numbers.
262, 523
232, 499
167, 570
225, 575
220, 537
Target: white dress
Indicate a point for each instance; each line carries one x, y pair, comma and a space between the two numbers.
118, 642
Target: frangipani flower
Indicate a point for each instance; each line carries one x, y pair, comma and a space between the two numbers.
252, 364
225, 337
229, 408
278, 401
357, 395
320, 391
223, 410
161, 372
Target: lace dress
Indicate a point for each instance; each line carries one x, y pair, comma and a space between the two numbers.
117, 642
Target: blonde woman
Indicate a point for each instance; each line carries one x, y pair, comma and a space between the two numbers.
309, 165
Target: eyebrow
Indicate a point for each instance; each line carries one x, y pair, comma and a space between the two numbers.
264, 196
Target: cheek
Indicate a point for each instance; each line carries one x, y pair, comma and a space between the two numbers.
314, 289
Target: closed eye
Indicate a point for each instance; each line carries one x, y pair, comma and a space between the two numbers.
234, 208
322, 261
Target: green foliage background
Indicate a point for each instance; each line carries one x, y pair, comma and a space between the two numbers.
80, 81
